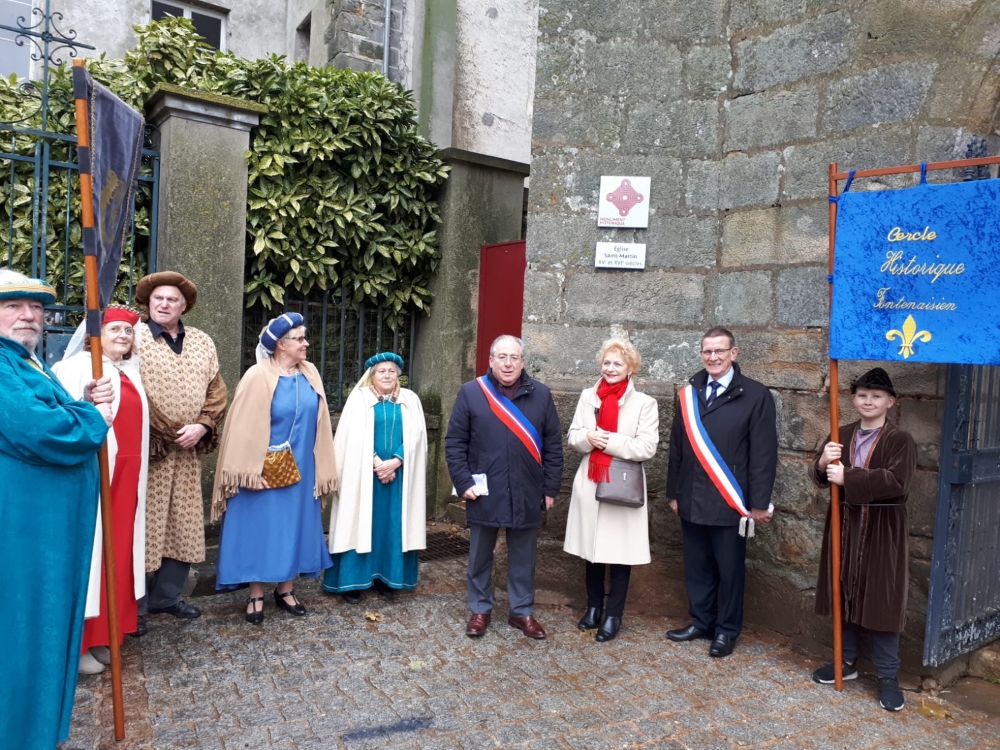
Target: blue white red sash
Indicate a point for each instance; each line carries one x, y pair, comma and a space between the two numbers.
707, 454
512, 417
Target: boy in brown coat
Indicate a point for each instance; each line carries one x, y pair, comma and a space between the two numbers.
875, 473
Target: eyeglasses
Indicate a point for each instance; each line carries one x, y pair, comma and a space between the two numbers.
504, 358
716, 352
388, 371
118, 331
296, 338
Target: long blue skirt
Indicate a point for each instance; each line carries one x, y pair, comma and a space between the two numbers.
387, 561
271, 536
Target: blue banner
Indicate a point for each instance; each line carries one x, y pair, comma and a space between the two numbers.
116, 133
916, 275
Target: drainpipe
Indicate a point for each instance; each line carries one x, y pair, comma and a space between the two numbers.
385, 41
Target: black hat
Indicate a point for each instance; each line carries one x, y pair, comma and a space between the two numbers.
875, 379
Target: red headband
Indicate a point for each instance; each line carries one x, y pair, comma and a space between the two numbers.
116, 313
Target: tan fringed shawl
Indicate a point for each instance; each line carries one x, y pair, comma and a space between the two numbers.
248, 427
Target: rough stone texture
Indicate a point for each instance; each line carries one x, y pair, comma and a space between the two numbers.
738, 180
986, 662
791, 53
796, 234
743, 297
769, 118
707, 69
802, 296
649, 297
683, 128
738, 145
890, 94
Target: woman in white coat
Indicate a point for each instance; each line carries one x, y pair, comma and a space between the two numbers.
612, 420
128, 462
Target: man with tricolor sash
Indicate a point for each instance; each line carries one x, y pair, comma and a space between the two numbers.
723, 459
504, 454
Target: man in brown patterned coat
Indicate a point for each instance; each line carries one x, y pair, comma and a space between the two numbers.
187, 402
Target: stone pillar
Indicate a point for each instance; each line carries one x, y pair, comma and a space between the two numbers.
202, 210
482, 203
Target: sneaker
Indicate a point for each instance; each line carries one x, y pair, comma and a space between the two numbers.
824, 675
890, 697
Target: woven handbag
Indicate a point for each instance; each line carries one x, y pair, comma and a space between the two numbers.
626, 485
280, 469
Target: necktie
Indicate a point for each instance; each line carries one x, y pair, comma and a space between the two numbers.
714, 385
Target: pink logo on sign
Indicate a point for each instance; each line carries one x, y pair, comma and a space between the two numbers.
625, 197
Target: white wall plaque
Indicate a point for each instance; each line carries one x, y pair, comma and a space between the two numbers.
622, 255
624, 202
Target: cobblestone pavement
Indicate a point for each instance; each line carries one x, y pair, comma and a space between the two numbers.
336, 679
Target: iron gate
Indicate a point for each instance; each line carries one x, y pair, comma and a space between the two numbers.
963, 607
40, 231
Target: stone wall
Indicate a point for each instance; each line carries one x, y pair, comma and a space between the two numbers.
356, 36
735, 109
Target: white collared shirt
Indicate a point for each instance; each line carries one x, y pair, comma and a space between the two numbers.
724, 382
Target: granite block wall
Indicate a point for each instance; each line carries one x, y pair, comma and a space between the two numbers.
735, 108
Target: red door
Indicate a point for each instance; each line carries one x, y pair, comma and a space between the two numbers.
501, 296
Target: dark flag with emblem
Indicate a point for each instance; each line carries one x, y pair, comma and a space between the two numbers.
113, 158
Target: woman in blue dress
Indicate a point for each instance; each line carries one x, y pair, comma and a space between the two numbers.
273, 532
378, 520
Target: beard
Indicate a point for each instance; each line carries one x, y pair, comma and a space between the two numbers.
27, 334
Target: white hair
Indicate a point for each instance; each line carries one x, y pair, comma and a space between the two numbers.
505, 338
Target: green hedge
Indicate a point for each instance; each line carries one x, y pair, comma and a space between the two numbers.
341, 188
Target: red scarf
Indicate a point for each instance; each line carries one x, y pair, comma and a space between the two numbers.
607, 419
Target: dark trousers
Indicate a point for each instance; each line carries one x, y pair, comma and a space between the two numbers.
714, 575
522, 551
885, 648
165, 587
620, 575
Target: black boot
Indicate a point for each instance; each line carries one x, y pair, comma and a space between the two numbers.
609, 629
591, 618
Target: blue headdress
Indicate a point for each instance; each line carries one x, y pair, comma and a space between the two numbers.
384, 357
274, 330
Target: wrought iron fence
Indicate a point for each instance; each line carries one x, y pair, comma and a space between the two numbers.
342, 334
40, 233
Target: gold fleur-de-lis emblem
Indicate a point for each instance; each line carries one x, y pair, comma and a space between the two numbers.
908, 336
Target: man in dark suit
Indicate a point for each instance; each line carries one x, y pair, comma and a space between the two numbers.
504, 454
736, 415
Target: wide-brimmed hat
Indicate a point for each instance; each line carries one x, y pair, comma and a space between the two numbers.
147, 284
14, 285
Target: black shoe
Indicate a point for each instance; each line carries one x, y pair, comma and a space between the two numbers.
824, 675
890, 697
257, 616
383, 588
722, 645
140, 627
691, 633
591, 618
609, 629
352, 597
179, 609
282, 601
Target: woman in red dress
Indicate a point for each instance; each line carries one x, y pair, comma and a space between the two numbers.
128, 448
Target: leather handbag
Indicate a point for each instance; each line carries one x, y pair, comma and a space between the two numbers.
626, 485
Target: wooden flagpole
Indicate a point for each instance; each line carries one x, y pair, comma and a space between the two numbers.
94, 333
838, 641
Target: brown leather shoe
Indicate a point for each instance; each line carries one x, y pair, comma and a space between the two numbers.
529, 626
477, 626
